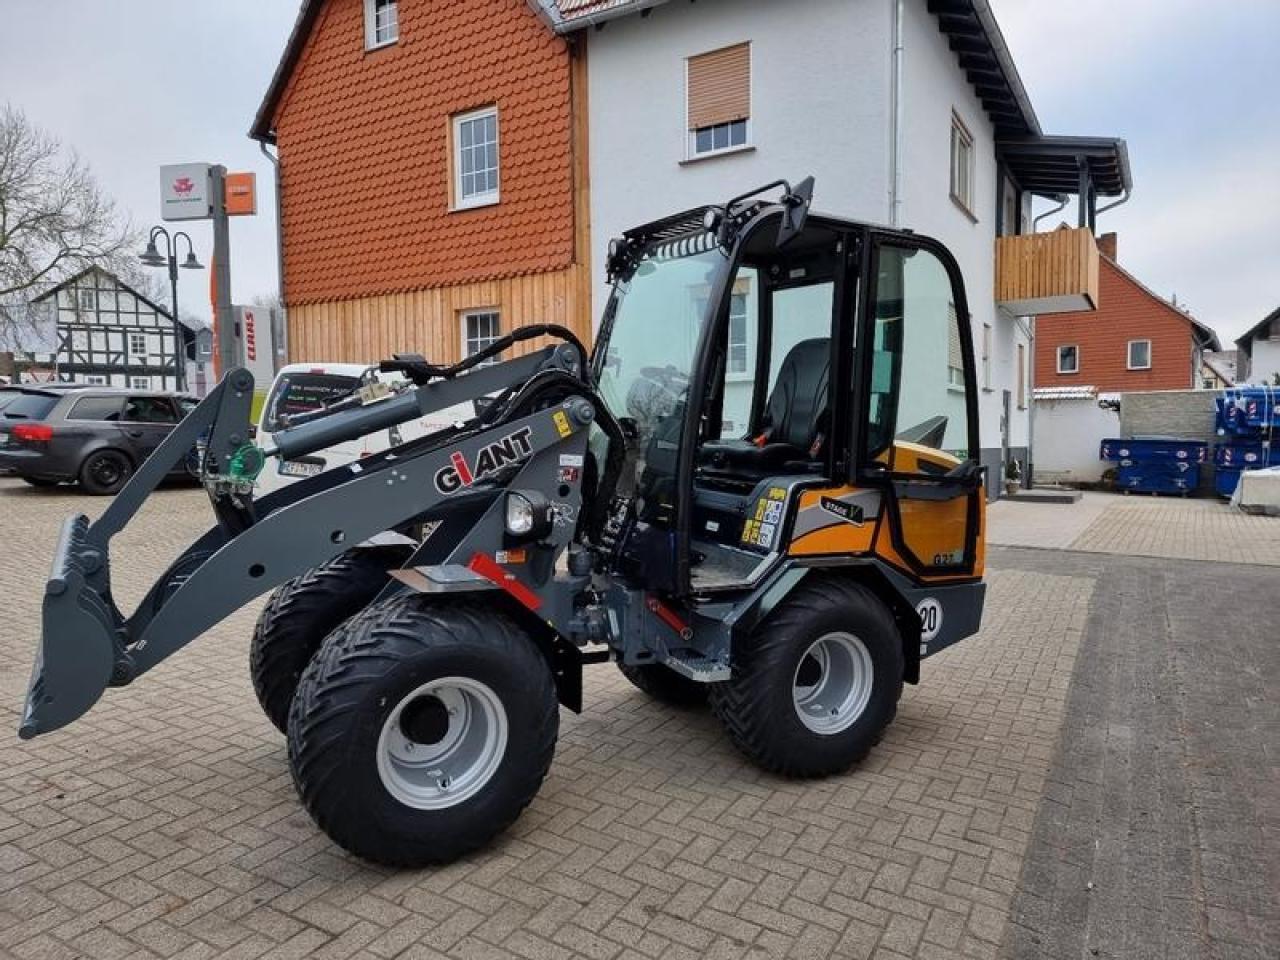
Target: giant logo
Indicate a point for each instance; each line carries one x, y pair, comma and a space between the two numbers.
457, 474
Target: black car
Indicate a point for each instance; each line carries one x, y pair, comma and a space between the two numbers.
96, 436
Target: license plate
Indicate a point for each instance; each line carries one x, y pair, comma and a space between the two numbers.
300, 468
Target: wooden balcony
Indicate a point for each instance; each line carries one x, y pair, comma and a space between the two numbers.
1055, 272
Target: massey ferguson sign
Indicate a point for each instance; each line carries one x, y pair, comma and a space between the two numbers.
184, 192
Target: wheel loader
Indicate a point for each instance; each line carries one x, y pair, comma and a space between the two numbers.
760, 489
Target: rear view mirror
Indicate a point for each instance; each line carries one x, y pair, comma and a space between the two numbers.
797, 211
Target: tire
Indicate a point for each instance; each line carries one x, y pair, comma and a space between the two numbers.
301, 613
104, 472
40, 482
778, 703
344, 735
665, 685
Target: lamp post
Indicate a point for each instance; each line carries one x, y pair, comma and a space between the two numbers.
153, 257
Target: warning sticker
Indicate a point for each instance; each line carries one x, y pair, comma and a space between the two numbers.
561, 420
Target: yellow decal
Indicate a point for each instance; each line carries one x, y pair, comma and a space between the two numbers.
562, 424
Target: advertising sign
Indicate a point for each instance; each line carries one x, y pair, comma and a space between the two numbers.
253, 330
184, 192
240, 193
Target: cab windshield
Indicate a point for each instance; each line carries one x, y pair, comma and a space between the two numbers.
644, 374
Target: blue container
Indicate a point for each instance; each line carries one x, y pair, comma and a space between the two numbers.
1171, 477
1148, 449
1248, 411
1225, 480
1247, 455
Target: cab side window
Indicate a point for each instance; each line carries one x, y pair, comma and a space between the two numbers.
918, 387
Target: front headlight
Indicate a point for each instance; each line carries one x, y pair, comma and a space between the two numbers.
528, 515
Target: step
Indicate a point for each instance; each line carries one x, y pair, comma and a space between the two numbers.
1045, 495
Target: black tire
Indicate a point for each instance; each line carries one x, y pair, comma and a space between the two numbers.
302, 612
40, 482
665, 685
757, 705
104, 472
363, 672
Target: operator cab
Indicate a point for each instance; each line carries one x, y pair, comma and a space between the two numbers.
784, 381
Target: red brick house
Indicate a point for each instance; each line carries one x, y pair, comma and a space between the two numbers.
433, 176
1134, 340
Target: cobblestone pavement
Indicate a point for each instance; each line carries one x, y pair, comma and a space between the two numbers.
164, 822
1172, 528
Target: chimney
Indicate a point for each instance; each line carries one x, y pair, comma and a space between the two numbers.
1107, 245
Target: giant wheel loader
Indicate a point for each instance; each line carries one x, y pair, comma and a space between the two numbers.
760, 489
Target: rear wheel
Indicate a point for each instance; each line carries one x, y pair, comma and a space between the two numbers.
816, 683
305, 610
421, 730
664, 684
105, 472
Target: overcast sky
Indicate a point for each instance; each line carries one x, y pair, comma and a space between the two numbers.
1192, 85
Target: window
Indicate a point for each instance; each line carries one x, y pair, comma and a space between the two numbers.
96, 380
1069, 359
955, 351
381, 23
719, 100
87, 301
961, 165
479, 330
295, 393
1139, 354
149, 410
475, 158
137, 344
986, 356
1022, 376
95, 408
140, 383
738, 334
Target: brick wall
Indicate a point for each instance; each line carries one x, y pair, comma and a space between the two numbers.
364, 140
1126, 311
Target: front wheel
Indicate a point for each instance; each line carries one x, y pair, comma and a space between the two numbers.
815, 684
105, 472
421, 730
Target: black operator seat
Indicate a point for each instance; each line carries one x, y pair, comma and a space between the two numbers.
795, 418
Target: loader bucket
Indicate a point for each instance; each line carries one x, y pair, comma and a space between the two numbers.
77, 651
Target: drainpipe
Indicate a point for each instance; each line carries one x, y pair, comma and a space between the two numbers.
280, 338
1061, 199
1128, 191
895, 120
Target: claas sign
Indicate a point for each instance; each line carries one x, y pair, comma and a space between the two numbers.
240, 194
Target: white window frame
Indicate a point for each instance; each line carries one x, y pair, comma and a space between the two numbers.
95, 380
490, 197
1129, 364
139, 383
1068, 346
746, 373
962, 182
695, 154
81, 294
465, 316
134, 339
371, 40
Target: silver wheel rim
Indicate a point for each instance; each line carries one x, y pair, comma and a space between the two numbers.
462, 730
832, 683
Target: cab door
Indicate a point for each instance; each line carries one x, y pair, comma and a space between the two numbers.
920, 418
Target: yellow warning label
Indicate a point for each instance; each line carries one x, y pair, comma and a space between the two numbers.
562, 423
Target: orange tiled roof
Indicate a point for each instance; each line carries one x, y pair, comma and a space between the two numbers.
364, 150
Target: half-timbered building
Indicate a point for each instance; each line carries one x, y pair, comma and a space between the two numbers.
108, 333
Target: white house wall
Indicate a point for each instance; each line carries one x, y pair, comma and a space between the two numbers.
1068, 434
820, 104
1265, 362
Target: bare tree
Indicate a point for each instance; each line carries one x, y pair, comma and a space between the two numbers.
55, 221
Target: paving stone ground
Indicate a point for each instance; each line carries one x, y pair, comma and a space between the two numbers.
164, 822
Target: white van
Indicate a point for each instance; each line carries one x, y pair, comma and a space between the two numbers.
303, 387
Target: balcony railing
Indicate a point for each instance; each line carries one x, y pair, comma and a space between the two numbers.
1055, 272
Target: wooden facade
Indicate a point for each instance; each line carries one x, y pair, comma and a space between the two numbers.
1041, 273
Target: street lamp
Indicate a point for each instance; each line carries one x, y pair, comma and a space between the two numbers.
154, 257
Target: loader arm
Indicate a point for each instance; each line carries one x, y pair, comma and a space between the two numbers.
88, 644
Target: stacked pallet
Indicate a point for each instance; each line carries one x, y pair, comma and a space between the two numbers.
1169, 465
1248, 421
